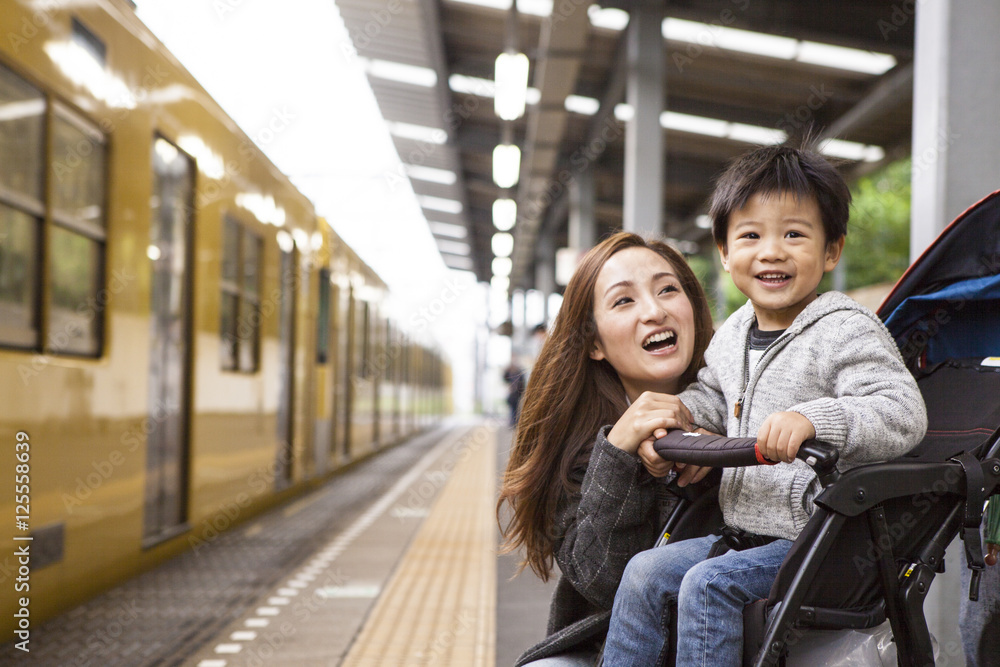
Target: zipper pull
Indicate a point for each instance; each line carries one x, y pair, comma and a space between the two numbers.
738, 408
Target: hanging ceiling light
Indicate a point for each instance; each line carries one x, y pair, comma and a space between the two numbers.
504, 214
506, 165
511, 76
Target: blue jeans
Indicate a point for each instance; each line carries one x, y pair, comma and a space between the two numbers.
710, 598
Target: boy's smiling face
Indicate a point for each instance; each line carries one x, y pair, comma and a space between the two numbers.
776, 252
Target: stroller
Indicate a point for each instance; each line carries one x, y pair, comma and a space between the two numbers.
852, 588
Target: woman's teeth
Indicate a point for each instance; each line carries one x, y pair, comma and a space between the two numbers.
658, 340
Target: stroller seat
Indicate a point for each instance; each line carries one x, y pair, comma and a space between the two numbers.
879, 533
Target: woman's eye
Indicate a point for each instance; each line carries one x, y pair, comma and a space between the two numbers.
621, 300
669, 288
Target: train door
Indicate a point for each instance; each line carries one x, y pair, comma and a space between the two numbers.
325, 405
340, 371
286, 368
165, 511
350, 386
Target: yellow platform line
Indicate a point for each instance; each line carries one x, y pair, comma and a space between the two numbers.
439, 608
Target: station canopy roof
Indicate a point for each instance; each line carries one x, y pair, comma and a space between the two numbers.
737, 74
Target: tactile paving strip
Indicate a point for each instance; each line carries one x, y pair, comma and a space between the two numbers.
440, 606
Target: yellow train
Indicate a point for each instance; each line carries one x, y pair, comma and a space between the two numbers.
183, 342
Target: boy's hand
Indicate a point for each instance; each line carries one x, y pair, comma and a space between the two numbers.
781, 435
991, 553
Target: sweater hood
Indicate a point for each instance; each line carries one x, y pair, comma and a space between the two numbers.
823, 305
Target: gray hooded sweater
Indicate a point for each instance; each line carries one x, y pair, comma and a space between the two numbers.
836, 365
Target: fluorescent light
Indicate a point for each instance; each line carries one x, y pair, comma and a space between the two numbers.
453, 247
402, 73
501, 266
840, 57
500, 283
512, 85
431, 174
502, 244
472, 85
775, 46
695, 124
432, 135
439, 204
714, 127
586, 106
506, 165
851, 150
732, 39
607, 18
448, 229
504, 214
492, 4
703, 222
624, 112
533, 7
460, 262
753, 134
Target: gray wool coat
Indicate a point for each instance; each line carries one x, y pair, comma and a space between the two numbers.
618, 513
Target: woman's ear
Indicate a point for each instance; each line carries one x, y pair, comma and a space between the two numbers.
597, 352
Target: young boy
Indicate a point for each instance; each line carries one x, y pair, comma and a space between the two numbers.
788, 366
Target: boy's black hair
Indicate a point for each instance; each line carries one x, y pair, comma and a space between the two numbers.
775, 170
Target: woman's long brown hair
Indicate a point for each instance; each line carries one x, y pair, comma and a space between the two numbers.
568, 398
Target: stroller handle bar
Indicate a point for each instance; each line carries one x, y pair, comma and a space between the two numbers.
721, 452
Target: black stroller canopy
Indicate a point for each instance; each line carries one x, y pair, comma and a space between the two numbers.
947, 305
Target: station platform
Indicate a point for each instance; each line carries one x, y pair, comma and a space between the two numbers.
391, 562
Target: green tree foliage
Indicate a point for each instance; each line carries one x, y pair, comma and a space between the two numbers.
878, 235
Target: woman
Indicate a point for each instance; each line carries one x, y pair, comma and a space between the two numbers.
631, 332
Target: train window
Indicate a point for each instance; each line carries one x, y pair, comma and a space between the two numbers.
239, 307
78, 174
18, 278
75, 274
21, 141
77, 239
323, 318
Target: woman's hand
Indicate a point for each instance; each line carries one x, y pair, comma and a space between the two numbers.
647, 414
657, 466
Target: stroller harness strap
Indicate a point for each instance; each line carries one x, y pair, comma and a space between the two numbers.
975, 496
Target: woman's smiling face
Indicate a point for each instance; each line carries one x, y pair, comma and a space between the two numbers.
645, 322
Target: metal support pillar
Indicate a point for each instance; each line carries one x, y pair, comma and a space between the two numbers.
545, 271
956, 162
956, 92
645, 86
582, 225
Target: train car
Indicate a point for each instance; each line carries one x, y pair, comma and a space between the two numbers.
183, 342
